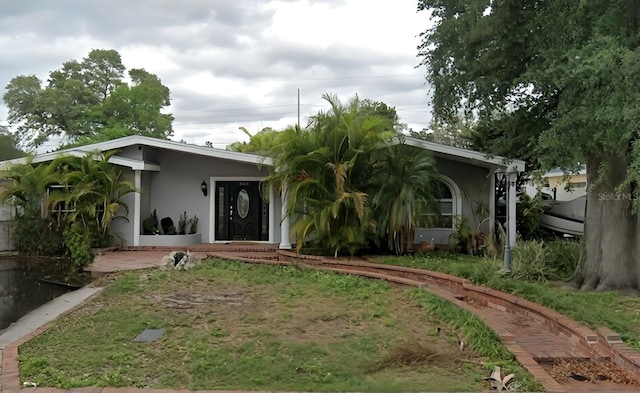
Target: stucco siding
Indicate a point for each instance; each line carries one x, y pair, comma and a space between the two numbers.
150, 154
145, 198
120, 226
133, 152
176, 188
7, 217
278, 218
473, 187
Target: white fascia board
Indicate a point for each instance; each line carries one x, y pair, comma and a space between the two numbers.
120, 143
180, 147
472, 155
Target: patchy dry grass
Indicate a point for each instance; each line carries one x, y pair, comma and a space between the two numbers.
252, 327
594, 309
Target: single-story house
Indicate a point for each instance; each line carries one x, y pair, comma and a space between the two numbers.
221, 188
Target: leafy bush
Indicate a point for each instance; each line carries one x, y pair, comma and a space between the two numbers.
35, 235
78, 242
465, 239
182, 224
528, 217
530, 262
151, 225
193, 225
564, 256
536, 260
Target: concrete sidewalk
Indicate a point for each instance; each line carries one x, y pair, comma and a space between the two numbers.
45, 314
29, 324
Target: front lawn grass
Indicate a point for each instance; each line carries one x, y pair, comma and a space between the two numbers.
254, 327
594, 309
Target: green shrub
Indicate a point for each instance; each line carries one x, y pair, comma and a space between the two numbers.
530, 262
528, 217
78, 242
563, 255
193, 225
465, 239
36, 235
182, 224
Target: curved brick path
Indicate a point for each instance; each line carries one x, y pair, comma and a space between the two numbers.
531, 332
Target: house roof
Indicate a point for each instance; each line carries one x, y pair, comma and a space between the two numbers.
555, 172
465, 155
439, 150
133, 140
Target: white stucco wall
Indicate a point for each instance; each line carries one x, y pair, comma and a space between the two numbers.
176, 188
7, 215
124, 227
134, 152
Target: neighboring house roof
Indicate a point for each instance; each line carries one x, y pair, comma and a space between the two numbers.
559, 172
466, 155
439, 150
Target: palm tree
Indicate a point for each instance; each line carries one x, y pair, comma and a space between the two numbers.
25, 187
95, 189
26, 184
323, 167
402, 189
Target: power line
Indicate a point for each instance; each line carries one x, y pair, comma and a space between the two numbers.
354, 77
257, 108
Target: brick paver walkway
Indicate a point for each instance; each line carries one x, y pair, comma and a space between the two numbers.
530, 339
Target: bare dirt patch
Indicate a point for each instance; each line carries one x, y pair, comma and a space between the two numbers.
417, 341
415, 354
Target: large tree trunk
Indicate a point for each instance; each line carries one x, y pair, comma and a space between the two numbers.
609, 257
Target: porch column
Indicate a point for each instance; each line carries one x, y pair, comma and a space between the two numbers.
285, 241
272, 214
511, 177
137, 182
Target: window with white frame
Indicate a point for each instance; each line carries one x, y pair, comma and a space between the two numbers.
445, 200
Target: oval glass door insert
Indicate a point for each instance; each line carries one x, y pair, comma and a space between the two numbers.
243, 203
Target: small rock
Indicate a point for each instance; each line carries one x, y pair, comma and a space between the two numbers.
179, 260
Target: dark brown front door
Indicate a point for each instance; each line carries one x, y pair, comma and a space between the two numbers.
241, 212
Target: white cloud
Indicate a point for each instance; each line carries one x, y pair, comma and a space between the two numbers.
232, 63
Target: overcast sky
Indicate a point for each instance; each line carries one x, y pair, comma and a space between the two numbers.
231, 63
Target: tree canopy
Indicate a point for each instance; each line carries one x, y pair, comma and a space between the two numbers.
261, 142
459, 133
9, 148
88, 101
556, 83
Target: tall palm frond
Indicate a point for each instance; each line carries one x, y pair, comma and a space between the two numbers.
404, 186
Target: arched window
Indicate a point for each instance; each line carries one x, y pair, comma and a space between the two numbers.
448, 197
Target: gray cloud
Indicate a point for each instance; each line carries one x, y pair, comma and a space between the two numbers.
220, 38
